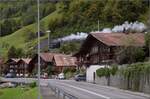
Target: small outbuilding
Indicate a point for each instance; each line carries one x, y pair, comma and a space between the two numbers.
61, 61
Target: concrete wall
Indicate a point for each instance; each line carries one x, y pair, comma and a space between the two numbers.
91, 71
120, 82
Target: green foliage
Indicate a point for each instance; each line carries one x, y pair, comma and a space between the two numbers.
8, 26
107, 71
147, 39
66, 70
70, 47
49, 70
18, 93
69, 72
103, 72
32, 85
130, 55
15, 53
31, 35
114, 69
16, 15
133, 72
100, 72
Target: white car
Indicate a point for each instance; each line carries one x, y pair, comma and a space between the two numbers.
61, 76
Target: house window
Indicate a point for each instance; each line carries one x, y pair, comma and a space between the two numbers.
94, 49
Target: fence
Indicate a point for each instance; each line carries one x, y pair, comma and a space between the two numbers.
61, 94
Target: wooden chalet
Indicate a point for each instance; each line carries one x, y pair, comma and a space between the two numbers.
23, 65
61, 61
45, 58
1, 65
100, 48
11, 66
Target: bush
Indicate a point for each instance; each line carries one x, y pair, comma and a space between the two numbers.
73, 70
131, 55
15, 52
33, 84
106, 71
103, 72
66, 70
114, 69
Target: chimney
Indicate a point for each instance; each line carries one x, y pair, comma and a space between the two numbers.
126, 31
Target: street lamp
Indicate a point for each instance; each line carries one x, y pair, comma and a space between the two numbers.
48, 31
38, 27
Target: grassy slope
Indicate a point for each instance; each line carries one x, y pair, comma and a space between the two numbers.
18, 38
18, 93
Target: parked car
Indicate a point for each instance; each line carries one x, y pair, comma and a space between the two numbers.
10, 75
80, 77
44, 76
61, 76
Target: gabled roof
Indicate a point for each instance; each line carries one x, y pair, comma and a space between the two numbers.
112, 39
26, 60
64, 60
14, 59
119, 39
47, 57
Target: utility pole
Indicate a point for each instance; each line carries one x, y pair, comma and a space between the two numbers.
38, 27
98, 25
48, 31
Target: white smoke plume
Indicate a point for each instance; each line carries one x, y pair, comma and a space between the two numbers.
126, 27
78, 36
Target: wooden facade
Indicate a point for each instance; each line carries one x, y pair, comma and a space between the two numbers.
17, 66
45, 61
23, 65
11, 66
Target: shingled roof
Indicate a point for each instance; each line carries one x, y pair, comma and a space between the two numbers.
64, 60
119, 39
26, 60
47, 57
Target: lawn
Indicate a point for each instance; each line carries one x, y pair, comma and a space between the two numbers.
18, 93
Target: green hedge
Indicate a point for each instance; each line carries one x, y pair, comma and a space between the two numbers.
107, 71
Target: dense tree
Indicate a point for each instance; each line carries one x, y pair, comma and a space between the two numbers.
69, 48
9, 26
16, 15
147, 42
15, 52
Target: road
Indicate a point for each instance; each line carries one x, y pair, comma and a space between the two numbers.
83, 90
